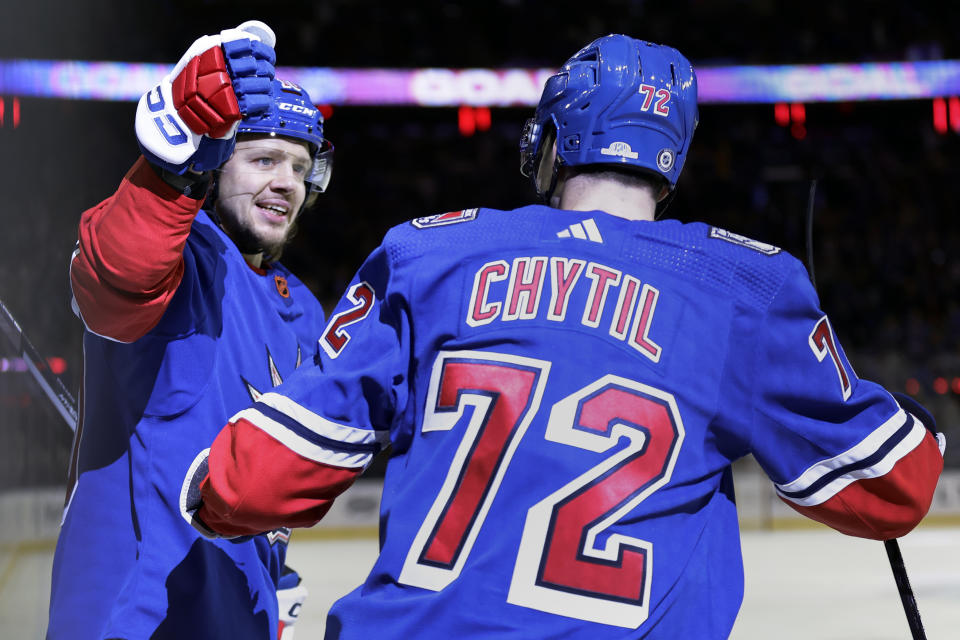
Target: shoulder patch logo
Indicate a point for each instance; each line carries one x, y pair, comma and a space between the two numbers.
282, 287
744, 241
442, 219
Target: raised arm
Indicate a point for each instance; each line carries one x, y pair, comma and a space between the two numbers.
129, 257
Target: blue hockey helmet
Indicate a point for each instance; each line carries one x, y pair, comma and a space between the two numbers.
619, 101
293, 115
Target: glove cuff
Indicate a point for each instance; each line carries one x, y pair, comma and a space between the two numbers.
191, 184
190, 500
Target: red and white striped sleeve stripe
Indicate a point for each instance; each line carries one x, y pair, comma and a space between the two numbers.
880, 488
278, 464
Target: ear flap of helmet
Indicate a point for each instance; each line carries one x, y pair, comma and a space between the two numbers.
538, 156
529, 139
548, 164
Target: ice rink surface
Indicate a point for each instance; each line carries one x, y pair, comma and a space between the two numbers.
800, 584
808, 584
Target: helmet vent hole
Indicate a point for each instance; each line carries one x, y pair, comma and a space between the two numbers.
673, 74
585, 107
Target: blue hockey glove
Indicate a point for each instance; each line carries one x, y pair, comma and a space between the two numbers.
189, 121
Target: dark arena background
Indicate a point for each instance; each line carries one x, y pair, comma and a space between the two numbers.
886, 213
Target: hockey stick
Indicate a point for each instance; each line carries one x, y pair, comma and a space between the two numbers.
810, 196
63, 401
906, 592
892, 546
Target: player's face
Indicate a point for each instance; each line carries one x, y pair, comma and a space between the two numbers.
260, 191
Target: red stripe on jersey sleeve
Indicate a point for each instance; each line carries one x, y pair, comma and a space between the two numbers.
886, 507
130, 258
257, 484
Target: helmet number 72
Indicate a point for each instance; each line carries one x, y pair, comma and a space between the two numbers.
662, 95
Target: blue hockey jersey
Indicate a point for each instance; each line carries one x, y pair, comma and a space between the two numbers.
126, 564
563, 394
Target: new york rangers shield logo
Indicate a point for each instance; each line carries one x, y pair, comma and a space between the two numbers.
441, 219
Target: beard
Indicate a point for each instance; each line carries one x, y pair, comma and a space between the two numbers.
248, 240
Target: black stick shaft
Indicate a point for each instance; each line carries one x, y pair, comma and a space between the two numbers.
906, 592
810, 199
62, 400
893, 548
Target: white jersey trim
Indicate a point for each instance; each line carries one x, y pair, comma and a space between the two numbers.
861, 451
325, 429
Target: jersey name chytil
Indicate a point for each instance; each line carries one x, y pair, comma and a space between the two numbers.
542, 287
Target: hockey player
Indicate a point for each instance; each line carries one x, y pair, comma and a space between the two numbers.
564, 388
188, 318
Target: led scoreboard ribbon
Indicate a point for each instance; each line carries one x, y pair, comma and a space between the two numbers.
438, 87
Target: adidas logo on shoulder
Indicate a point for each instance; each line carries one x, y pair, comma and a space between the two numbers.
586, 230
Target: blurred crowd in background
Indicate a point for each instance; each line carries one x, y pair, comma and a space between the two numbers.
886, 231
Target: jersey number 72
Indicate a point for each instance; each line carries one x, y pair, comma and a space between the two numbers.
561, 567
